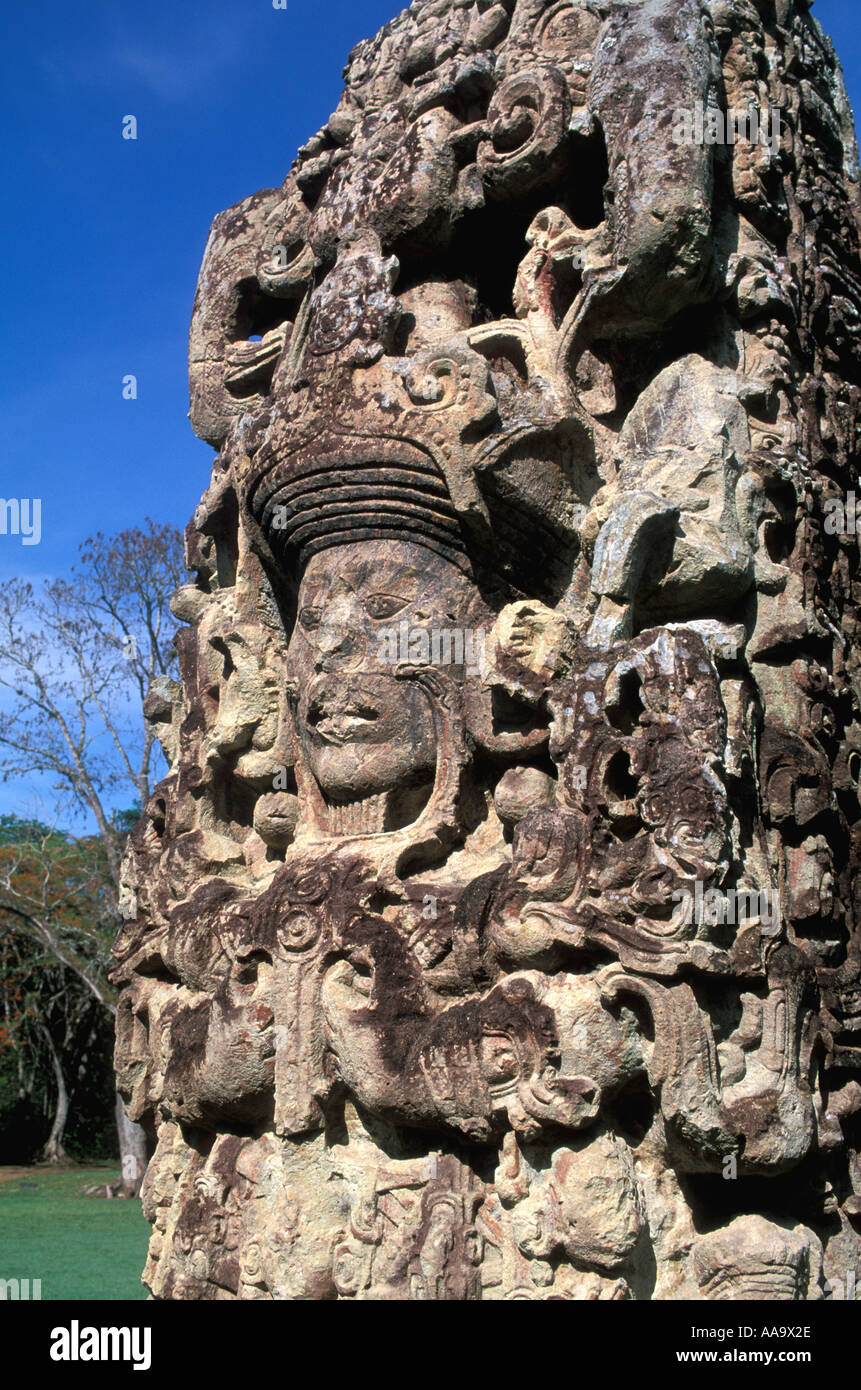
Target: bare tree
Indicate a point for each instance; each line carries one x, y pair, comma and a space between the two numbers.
76, 660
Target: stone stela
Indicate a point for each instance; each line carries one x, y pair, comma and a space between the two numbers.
502, 357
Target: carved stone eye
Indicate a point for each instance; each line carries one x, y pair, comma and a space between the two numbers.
384, 605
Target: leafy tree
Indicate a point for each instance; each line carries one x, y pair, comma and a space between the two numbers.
54, 1034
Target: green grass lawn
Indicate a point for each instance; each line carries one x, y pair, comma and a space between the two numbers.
80, 1247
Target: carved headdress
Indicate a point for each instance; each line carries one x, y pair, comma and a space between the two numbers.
368, 444
310, 500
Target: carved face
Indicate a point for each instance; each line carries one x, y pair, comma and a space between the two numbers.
363, 610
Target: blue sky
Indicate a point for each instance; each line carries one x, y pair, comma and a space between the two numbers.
103, 236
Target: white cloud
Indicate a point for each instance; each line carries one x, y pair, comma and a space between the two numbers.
177, 61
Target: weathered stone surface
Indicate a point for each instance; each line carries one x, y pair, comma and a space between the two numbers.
493, 935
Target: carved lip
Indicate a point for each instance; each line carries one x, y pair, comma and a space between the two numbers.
339, 716
339, 729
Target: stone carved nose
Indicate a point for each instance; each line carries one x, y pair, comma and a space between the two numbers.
338, 644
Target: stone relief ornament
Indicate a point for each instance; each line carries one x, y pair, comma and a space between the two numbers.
494, 934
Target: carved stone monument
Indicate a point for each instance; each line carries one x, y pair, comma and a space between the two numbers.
494, 933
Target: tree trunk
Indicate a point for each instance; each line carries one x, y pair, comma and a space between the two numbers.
133, 1150
53, 1152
